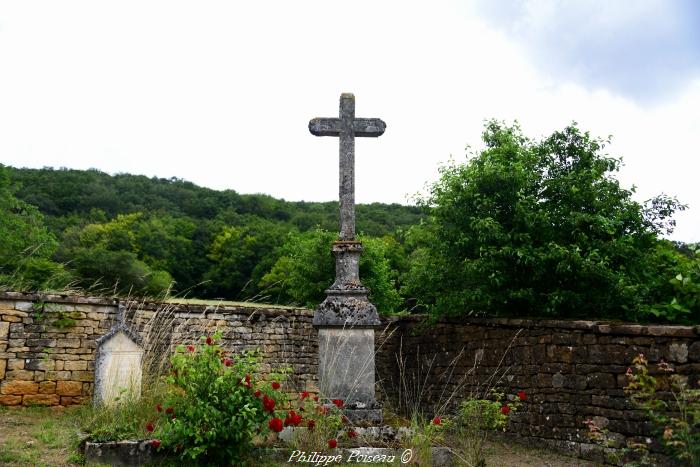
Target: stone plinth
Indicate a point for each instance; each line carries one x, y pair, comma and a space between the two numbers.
346, 371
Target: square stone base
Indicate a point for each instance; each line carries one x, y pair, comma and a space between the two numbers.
346, 371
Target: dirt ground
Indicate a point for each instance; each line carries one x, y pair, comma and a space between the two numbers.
37, 436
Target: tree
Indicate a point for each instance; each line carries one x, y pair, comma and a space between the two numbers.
306, 268
537, 228
26, 245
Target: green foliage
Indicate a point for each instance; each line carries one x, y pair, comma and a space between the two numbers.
212, 413
305, 269
684, 306
54, 314
26, 245
675, 418
539, 229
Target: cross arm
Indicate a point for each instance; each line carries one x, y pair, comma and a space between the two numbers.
368, 127
325, 126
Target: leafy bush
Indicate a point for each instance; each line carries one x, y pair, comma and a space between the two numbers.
213, 410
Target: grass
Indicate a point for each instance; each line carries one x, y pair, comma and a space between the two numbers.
212, 302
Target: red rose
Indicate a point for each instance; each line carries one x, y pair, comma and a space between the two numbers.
275, 385
505, 410
521, 395
228, 361
209, 341
257, 393
275, 424
155, 443
315, 398
304, 395
268, 404
159, 408
169, 410
190, 348
437, 421
332, 443
311, 424
292, 419
338, 403
149, 427
352, 434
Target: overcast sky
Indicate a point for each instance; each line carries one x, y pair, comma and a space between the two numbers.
220, 93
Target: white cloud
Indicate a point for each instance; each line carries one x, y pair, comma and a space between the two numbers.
220, 93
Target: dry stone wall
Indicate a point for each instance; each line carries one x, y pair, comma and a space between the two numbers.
48, 343
571, 371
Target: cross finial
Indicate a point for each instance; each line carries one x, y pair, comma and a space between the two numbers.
346, 128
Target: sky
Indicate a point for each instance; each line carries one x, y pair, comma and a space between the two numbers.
220, 93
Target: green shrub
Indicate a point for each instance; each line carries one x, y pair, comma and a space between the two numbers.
215, 406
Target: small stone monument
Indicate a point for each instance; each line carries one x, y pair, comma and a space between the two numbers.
346, 319
118, 363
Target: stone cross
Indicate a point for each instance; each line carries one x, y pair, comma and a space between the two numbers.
346, 128
346, 318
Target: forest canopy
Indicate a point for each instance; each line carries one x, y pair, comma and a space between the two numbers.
528, 228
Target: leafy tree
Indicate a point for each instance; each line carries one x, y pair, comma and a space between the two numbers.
306, 268
538, 228
26, 245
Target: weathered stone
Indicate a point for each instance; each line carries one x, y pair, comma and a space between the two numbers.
41, 399
117, 368
11, 319
19, 374
75, 365
19, 387
6, 399
47, 387
678, 352
3, 365
58, 375
4, 330
42, 364
69, 388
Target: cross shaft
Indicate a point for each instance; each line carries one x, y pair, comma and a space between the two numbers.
347, 127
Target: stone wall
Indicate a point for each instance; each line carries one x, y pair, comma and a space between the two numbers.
570, 370
47, 343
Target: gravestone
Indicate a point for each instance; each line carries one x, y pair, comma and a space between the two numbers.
346, 319
118, 363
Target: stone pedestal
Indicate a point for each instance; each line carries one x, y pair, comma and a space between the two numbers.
345, 322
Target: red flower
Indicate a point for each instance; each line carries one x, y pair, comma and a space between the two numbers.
275, 385
190, 348
311, 423
521, 395
505, 410
352, 434
338, 403
315, 398
292, 419
257, 393
228, 361
149, 427
169, 410
155, 443
304, 395
332, 443
268, 404
437, 421
275, 424
159, 408
209, 341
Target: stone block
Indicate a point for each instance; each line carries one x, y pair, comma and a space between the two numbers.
58, 375
42, 364
677, 352
4, 330
47, 387
59, 365
11, 319
20, 374
15, 364
3, 365
694, 351
82, 375
69, 388
601, 381
7, 399
68, 343
75, 365
17, 387
41, 399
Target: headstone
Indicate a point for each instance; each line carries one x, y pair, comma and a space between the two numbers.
118, 364
346, 319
